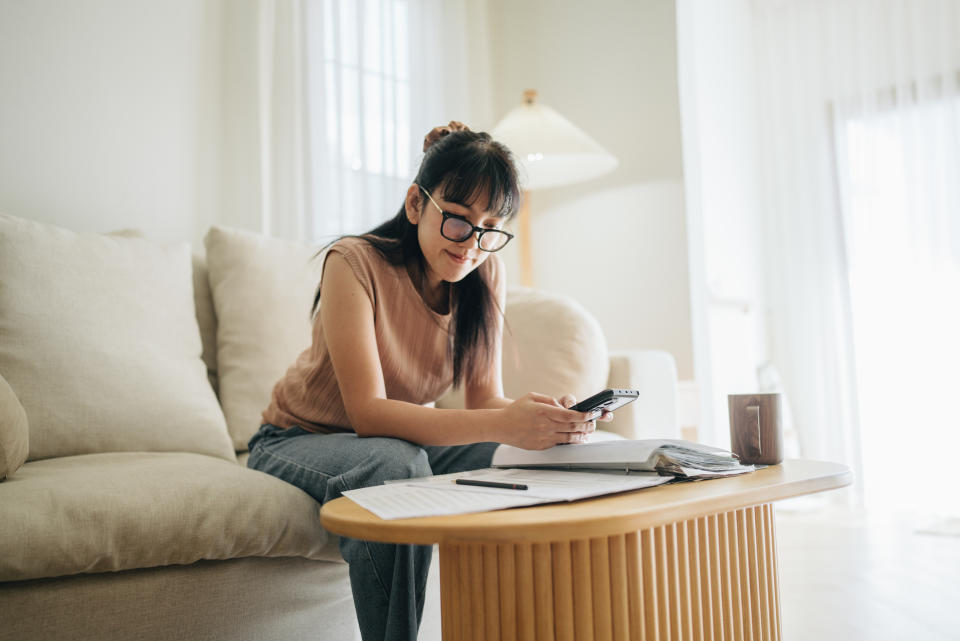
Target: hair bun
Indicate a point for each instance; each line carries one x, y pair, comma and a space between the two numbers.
437, 133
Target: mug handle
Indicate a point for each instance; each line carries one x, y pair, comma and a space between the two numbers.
754, 446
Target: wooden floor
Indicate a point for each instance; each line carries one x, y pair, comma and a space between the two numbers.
853, 575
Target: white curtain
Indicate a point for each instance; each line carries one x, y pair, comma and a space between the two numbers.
860, 157
345, 92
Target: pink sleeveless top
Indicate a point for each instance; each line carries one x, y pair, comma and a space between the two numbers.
412, 340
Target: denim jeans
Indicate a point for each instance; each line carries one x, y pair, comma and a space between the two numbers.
388, 580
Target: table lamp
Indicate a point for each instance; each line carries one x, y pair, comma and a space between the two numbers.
551, 151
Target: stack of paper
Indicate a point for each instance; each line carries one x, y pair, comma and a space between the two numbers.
666, 456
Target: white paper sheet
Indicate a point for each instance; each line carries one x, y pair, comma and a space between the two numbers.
440, 495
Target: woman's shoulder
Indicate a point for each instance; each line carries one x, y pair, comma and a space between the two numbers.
361, 249
368, 262
351, 245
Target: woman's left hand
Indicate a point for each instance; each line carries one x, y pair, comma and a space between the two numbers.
569, 401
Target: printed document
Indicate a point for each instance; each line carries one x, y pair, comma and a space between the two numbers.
440, 495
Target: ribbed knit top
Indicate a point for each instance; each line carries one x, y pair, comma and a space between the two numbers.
412, 341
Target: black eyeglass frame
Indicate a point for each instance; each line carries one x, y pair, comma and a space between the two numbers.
473, 228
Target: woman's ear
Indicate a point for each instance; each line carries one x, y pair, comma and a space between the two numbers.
413, 204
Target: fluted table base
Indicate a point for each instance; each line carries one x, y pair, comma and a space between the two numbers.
713, 577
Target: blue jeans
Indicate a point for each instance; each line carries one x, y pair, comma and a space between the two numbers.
388, 580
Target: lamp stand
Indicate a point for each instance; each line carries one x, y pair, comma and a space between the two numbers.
526, 253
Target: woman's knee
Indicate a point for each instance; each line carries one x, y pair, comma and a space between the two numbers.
393, 459
379, 459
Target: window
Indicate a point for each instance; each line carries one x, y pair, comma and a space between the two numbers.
899, 170
358, 83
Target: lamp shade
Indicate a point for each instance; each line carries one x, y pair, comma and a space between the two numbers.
551, 150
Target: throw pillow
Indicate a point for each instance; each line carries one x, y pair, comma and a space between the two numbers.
206, 317
203, 305
262, 292
551, 345
99, 338
14, 433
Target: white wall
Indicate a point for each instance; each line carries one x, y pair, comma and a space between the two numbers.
718, 99
109, 114
124, 113
618, 243
240, 198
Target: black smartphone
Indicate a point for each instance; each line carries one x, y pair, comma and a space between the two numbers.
607, 400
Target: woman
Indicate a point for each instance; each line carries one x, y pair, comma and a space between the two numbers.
401, 313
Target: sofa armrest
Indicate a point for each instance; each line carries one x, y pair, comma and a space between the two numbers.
654, 413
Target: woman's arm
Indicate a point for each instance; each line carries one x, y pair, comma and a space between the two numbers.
532, 422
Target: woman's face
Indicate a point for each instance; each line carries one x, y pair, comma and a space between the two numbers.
447, 260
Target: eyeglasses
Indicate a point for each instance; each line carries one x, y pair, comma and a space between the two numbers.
460, 230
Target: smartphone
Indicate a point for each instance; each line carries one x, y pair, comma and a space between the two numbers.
607, 400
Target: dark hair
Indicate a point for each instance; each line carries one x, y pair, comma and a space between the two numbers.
465, 165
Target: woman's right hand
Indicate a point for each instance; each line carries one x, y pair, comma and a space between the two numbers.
536, 422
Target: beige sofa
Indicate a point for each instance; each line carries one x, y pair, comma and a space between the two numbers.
136, 371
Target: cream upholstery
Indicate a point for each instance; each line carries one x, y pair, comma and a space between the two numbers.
203, 304
100, 341
551, 345
14, 431
250, 599
654, 374
262, 291
206, 317
128, 510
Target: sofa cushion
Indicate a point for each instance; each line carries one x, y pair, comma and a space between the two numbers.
120, 511
14, 432
551, 345
262, 293
206, 317
203, 304
98, 337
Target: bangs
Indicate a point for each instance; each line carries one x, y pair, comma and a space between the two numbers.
483, 174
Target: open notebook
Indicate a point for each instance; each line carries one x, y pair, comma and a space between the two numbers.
666, 456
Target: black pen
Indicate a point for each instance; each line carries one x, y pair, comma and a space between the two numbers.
502, 486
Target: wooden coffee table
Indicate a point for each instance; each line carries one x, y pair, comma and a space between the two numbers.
682, 561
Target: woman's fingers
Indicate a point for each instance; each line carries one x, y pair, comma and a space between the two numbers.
561, 423
564, 415
557, 411
584, 429
572, 437
573, 427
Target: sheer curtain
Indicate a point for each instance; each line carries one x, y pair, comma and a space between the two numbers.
860, 150
345, 91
